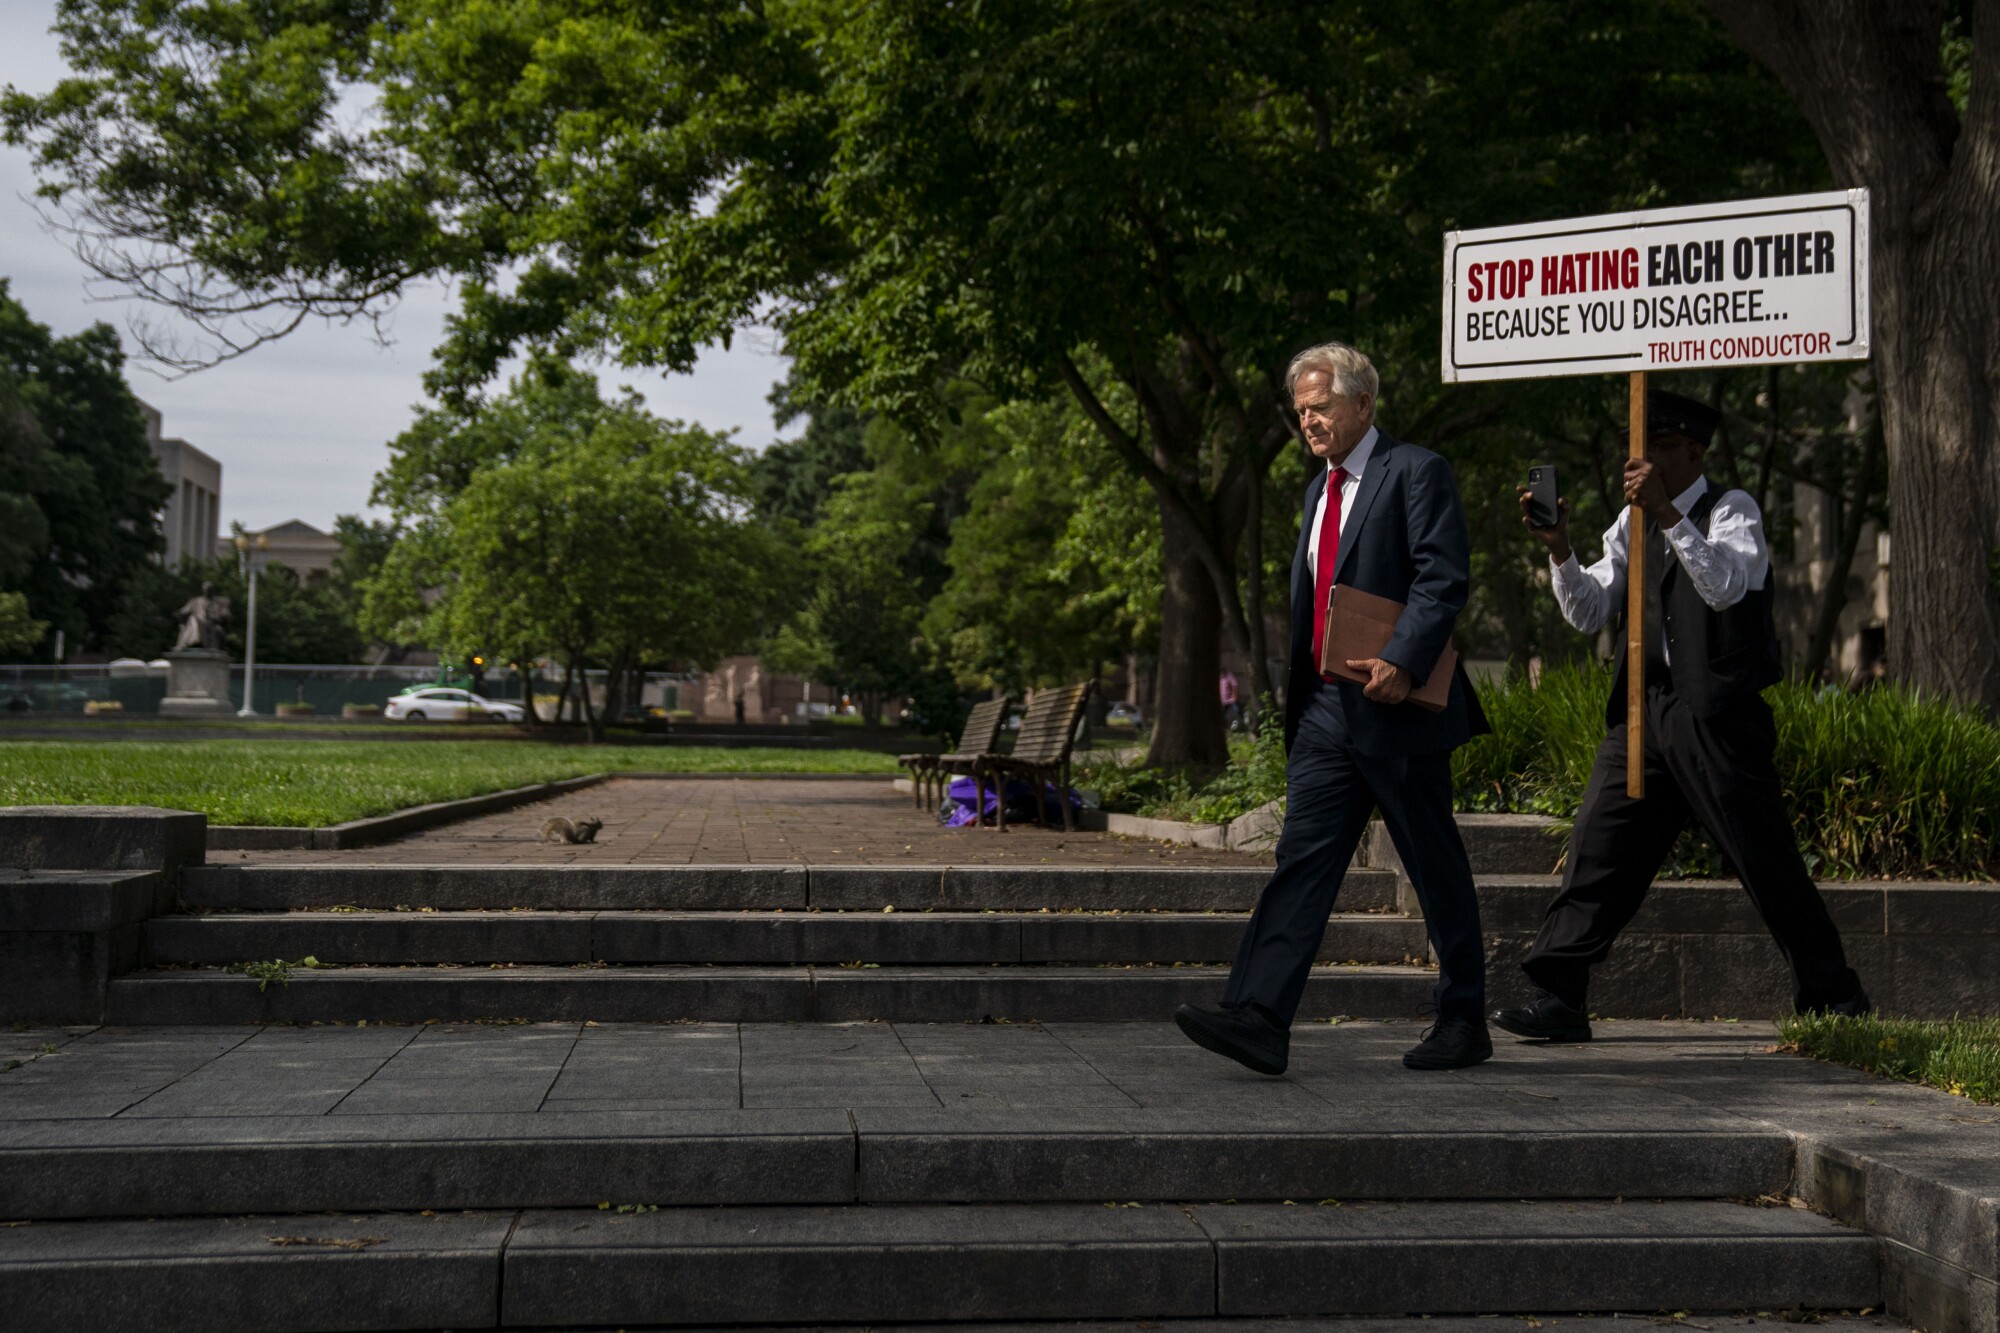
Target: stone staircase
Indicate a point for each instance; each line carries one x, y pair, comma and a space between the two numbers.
1399, 1201
739, 944
440, 1201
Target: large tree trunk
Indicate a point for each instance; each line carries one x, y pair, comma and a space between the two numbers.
1869, 78
614, 686
593, 721
1851, 511
1188, 727
1198, 536
1253, 601
527, 675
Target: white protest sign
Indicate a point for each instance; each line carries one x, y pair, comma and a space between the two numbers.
1750, 283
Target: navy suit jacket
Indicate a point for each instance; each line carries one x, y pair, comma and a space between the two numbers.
1406, 540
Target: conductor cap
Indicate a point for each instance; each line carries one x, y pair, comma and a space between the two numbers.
1673, 414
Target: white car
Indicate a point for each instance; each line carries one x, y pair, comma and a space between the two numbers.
441, 704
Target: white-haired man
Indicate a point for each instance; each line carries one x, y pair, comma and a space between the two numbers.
1384, 517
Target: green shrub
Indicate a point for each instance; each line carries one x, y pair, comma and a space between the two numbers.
1255, 776
1887, 784
1537, 758
1890, 783
1959, 1055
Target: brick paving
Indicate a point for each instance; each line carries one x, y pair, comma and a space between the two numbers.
749, 821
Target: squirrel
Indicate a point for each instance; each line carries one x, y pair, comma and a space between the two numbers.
559, 829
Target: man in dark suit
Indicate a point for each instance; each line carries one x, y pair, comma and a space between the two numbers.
1384, 517
1711, 649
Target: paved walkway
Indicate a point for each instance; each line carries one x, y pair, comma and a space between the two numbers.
755, 821
1680, 1075
221, 1111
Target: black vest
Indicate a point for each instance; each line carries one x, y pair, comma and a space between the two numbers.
1715, 658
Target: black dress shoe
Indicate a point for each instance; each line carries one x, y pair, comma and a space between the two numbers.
1451, 1043
1244, 1035
1545, 1018
1854, 1006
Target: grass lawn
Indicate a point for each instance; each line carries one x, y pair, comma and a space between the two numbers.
316, 783
1960, 1055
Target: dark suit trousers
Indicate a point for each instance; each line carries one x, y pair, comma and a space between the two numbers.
1330, 793
1719, 771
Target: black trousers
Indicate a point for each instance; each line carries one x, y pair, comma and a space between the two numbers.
1331, 790
1719, 771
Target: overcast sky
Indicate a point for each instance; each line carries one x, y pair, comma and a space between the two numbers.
301, 425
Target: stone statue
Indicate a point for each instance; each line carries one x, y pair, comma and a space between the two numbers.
202, 620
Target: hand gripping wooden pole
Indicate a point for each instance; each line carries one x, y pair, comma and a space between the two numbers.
1635, 610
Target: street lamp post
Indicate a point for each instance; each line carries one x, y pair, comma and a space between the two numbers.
248, 563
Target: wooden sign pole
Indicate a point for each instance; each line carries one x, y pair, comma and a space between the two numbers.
1635, 610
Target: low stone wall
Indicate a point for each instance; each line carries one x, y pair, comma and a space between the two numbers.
77, 885
1698, 949
381, 828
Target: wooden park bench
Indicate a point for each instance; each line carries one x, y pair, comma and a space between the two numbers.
930, 772
1041, 751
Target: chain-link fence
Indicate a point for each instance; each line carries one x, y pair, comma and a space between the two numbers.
135, 689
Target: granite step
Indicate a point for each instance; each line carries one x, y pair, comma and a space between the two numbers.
848, 1264
158, 1159
732, 888
798, 994
763, 937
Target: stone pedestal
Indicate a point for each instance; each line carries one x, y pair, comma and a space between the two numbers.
197, 684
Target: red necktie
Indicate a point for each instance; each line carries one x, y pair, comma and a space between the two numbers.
1329, 556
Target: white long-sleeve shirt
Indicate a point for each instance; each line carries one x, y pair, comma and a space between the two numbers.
1724, 563
1356, 464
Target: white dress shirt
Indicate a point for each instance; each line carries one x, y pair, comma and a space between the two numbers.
1724, 563
1355, 464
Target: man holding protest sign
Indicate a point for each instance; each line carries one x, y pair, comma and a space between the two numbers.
1745, 282
1710, 648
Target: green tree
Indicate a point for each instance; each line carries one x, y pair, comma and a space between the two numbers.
548, 407
625, 548
1148, 203
364, 545
549, 521
857, 629
19, 632
1054, 568
79, 489
793, 478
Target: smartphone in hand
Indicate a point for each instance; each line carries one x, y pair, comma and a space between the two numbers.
1542, 496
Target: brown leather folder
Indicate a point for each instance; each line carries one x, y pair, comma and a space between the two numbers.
1359, 625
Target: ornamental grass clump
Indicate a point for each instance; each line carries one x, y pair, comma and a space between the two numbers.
1537, 758
1957, 1055
1888, 784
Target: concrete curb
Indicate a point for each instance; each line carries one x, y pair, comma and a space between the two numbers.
1498, 844
1256, 831
381, 828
